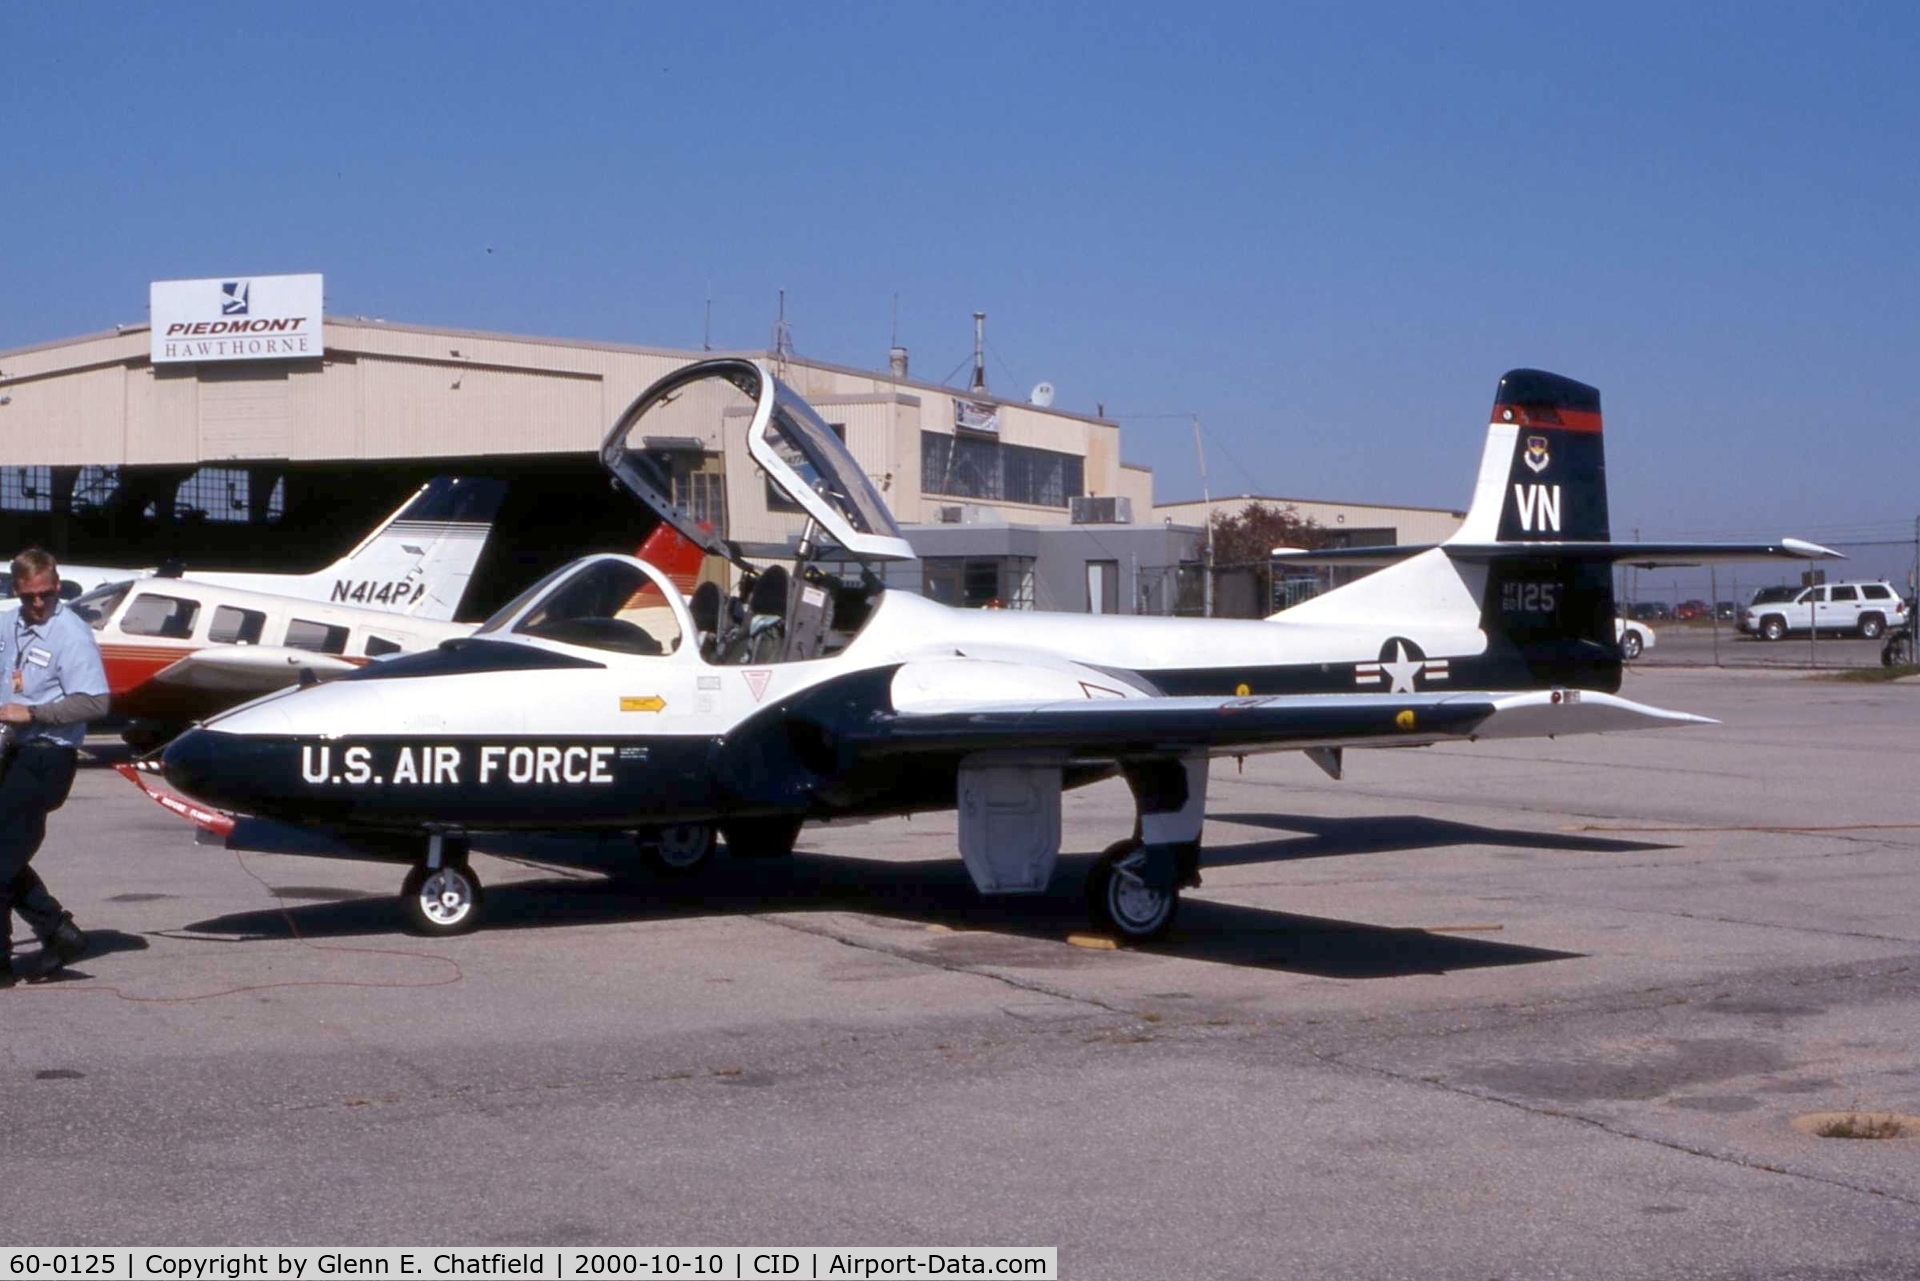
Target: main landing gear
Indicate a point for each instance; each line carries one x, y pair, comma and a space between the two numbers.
679, 850
1133, 890
442, 896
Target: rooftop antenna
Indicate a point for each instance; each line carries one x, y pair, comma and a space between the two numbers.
706, 333
782, 333
979, 351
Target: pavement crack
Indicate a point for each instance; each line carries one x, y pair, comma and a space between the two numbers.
1608, 1128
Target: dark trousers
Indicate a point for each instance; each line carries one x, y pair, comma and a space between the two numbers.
37, 779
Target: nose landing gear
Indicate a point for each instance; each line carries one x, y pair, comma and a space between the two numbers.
442, 896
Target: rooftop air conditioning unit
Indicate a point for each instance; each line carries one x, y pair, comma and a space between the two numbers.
1101, 511
952, 515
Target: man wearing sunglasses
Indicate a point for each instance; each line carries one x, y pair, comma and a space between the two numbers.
55, 684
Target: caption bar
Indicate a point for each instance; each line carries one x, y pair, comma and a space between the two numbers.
423, 1263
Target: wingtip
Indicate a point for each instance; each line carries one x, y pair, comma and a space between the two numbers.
1812, 551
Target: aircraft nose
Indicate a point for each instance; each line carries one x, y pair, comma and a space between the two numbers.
189, 762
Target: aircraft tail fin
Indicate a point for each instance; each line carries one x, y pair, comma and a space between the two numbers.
1547, 618
420, 559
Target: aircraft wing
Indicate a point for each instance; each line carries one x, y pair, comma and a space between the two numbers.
249, 669
1143, 727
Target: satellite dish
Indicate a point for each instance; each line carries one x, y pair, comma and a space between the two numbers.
1041, 395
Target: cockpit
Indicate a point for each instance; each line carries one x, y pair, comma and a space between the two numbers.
826, 531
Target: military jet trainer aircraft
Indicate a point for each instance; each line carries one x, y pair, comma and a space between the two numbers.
601, 699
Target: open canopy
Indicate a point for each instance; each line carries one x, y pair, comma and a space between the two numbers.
697, 406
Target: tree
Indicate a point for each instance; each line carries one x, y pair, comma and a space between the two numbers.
1249, 536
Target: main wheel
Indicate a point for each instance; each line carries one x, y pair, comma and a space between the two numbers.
1121, 903
677, 850
1871, 625
449, 901
1773, 627
761, 837
1630, 645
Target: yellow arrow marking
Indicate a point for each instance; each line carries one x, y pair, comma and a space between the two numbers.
650, 703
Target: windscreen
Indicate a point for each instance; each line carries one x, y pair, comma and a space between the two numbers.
97, 606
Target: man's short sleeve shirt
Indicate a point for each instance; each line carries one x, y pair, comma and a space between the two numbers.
46, 663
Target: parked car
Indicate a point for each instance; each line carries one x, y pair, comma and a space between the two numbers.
1688, 610
1651, 609
1865, 610
1766, 596
1725, 610
1633, 638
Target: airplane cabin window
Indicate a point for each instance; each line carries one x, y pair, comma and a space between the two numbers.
318, 637
68, 591
97, 606
612, 605
380, 645
150, 614
233, 626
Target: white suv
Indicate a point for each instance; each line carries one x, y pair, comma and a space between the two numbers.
1863, 609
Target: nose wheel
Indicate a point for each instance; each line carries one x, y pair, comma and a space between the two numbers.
442, 896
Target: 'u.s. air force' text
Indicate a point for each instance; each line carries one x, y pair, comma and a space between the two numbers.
444, 765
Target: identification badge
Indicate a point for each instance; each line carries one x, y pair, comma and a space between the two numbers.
18, 684
39, 657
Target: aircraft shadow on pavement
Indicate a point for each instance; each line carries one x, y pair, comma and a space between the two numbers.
934, 892
1320, 837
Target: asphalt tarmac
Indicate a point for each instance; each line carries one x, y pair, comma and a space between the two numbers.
1527, 1009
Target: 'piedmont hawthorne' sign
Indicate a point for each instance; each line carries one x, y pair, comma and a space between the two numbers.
236, 318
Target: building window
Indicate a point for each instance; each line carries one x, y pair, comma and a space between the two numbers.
969, 467
26, 489
979, 582
223, 494
703, 496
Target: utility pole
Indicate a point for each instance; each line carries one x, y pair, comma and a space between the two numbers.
1206, 497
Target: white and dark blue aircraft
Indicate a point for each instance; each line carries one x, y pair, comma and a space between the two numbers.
602, 699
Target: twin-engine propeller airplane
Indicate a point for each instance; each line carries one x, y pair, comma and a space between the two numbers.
601, 699
177, 648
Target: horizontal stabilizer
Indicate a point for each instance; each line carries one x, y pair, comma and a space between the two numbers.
1641, 555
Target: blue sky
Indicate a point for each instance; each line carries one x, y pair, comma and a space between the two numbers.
1326, 229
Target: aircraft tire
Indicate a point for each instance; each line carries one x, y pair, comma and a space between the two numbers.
1121, 905
761, 837
443, 903
679, 850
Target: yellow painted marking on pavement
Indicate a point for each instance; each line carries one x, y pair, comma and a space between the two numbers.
1094, 942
